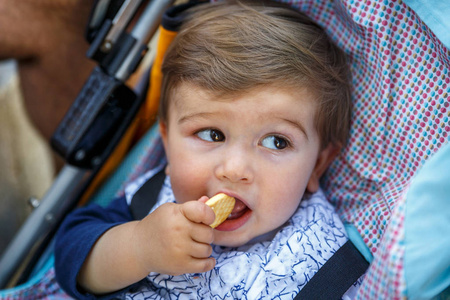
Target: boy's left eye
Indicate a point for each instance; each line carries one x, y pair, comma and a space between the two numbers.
211, 135
275, 142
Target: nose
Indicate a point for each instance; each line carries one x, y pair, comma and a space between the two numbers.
235, 165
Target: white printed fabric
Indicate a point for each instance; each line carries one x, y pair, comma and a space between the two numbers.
274, 267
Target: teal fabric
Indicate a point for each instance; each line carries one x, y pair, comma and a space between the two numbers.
436, 14
12, 293
356, 239
427, 229
115, 182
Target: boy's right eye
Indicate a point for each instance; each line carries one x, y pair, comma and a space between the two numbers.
211, 135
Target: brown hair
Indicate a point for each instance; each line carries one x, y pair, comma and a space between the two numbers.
230, 47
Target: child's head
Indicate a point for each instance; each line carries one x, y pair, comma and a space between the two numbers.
229, 48
255, 104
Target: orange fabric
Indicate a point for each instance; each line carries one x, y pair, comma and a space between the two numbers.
150, 109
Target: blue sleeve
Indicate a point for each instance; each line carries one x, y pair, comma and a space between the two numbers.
76, 237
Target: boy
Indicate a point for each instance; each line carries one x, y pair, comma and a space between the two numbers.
255, 104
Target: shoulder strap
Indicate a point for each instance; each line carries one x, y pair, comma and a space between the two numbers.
336, 276
146, 197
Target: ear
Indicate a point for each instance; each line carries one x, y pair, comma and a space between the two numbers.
163, 133
324, 159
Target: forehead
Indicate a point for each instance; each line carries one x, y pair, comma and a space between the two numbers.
187, 94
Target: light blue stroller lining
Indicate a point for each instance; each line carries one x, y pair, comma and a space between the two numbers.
427, 229
434, 13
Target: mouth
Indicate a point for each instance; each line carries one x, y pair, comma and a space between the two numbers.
237, 218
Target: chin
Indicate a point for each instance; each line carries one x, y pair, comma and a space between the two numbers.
236, 239
229, 240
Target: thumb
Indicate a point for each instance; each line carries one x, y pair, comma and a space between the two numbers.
198, 212
203, 199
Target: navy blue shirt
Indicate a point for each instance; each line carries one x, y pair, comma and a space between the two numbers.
87, 225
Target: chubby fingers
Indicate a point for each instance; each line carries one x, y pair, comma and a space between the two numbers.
203, 199
202, 235
200, 257
201, 217
199, 265
198, 212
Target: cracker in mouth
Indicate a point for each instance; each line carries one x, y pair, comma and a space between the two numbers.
222, 205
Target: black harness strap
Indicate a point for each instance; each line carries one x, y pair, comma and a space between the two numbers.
146, 197
336, 276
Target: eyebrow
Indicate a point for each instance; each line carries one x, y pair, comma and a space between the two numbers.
194, 116
298, 125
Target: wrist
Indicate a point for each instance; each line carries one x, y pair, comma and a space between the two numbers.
140, 250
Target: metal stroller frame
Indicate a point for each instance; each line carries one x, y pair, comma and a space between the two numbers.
103, 101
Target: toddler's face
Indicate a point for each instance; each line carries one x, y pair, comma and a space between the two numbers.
260, 147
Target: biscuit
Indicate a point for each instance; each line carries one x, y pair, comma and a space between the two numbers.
222, 205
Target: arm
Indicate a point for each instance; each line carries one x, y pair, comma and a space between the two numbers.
174, 239
78, 234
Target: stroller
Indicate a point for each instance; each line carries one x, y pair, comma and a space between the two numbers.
397, 153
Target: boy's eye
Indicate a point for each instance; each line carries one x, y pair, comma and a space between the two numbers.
275, 142
211, 135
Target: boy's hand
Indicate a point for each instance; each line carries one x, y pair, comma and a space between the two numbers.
175, 239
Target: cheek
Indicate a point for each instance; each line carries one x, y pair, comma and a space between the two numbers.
288, 190
186, 177
280, 211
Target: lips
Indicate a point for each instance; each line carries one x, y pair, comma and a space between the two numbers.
238, 217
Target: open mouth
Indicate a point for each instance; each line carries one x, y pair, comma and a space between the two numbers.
238, 217
239, 209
